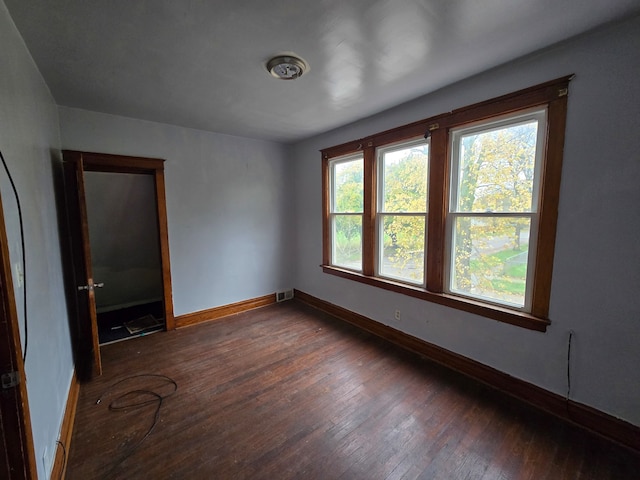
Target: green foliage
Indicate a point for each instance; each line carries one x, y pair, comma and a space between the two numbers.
496, 171
348, 193
508, 286
405, 181
349, 187
347, 240
405, 191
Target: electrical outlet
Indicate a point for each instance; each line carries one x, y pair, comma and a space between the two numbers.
397, 315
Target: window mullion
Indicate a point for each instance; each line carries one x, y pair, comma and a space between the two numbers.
438, 192
369, 214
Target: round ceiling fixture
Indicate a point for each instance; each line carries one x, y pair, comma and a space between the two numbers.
287, 67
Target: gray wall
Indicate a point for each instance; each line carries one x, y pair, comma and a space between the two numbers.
123, 230
228, 204
596, 269
29, 140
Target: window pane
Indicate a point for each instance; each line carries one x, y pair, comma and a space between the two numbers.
402, 254
496, 169
348, 186
404, 173
347, 241
490, 256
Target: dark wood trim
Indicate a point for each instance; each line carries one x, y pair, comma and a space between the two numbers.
531, 97
103, 162
582, 415
551, 95
81, 304
369, 212
438, 191
163, 234
525, 98
342, 150
550, 195
66, 431
88, 267
106, 162
17, 460
494, 312
326, 228
215, 313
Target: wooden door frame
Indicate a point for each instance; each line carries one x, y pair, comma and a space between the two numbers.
18, 460
103, 162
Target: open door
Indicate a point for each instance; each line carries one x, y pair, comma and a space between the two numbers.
87, 346
85, 336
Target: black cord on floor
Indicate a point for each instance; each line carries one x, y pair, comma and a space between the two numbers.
569, 370
64, 458
24, 262
122, 403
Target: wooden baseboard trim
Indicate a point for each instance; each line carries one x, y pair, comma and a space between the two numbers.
582, 415
223, 311
59, 469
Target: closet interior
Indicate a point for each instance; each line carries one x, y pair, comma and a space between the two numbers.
125, 254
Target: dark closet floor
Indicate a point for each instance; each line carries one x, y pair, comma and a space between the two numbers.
111, 326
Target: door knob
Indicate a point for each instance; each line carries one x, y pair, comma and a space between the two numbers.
91, 287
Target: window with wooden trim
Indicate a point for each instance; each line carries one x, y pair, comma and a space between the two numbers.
346, 207
401, 215
458, 209
493, 209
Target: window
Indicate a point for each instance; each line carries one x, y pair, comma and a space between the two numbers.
347, 193
495, 179
402, 211
458, 209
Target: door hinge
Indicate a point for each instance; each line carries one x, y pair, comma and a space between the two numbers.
10, 380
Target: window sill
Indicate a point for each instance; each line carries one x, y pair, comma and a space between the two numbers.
520, 319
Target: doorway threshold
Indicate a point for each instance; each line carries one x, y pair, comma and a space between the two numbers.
131, 322
131, 336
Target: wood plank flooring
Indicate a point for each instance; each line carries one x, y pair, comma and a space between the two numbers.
287, 392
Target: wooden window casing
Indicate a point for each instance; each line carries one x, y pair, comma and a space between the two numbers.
551, 96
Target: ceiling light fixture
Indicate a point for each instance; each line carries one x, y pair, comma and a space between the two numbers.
287, 67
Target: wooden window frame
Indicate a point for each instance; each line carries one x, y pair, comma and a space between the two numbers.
539, 116
551, 95
333, 212
380, 213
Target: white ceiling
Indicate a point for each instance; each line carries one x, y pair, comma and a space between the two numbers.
200, 63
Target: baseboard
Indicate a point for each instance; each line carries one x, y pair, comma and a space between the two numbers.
223, 311
66, 430
582, 415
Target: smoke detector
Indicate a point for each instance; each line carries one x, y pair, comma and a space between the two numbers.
287, 67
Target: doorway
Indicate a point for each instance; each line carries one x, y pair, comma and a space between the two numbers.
125, 254
88, 174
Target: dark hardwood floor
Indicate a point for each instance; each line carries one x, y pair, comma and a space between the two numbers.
287, 392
